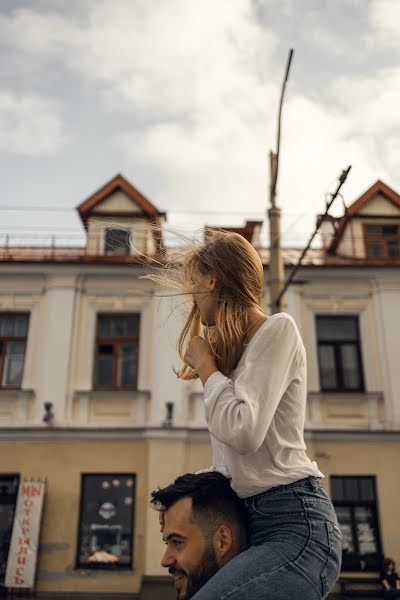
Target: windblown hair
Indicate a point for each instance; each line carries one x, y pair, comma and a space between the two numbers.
238, 272
213, 502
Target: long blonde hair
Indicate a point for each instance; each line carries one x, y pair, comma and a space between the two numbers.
239, 278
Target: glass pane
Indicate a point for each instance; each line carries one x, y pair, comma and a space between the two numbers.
104, 369
104, 327
21, 326
373, 229
127, 364
366, 534
350, 367
351, 488
132, 326
327, 367
337, 328
343, 514
14, 363
375, 249
390, 229
106, 520
393, 247
6, 326
119, 327
337, 491
8, 499
366, 487
117, 241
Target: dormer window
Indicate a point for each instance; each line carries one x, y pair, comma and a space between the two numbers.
117, 242
382, 240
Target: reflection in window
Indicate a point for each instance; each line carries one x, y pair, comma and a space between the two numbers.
339, 354
354, 499
106, 521
382, 240
116, 361
13, 334
8, 499
117, 242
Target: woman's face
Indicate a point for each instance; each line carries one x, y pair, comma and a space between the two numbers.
203, 296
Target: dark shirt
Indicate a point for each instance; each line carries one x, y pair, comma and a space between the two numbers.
391, 579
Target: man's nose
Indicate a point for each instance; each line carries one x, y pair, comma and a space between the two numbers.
168, 559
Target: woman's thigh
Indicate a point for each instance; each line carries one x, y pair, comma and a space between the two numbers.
257, 573
295, 552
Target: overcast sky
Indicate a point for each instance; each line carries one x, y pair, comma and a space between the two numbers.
181, 97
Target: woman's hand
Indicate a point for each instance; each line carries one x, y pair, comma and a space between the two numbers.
200, 357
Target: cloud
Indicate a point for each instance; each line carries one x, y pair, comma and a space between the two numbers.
384, 17
29, 125
197, 85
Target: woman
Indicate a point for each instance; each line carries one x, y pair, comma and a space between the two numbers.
390, 579
253, 369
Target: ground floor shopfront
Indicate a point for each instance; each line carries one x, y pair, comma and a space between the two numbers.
99, 534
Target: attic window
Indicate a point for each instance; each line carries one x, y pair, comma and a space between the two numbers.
382, 240
116, 242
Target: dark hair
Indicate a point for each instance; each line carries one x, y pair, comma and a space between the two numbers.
213, 502
388, 561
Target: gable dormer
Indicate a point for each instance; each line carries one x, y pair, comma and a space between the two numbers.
369, 229
121, 222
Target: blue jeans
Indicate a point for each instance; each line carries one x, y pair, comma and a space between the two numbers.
295, 548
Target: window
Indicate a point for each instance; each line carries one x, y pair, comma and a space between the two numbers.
117, 242
105, 534
382, 240
13, 333
339, 354
117, 345
354, 499
8, 499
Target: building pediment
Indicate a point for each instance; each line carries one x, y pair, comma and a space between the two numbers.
118, 198
370, 226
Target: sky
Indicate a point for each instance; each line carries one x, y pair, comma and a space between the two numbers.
181, 97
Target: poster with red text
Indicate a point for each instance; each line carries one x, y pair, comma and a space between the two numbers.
22, 556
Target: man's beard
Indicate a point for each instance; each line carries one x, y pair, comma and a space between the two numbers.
207, 567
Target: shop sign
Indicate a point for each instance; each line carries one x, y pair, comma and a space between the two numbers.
23, 553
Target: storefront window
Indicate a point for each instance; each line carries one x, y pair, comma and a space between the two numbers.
354, 499
106, 521
8, 499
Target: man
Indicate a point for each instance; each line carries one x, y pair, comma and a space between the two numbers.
203, 526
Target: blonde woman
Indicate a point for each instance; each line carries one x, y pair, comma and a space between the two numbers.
253, 369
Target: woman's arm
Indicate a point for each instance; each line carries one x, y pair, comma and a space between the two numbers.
240, 416
385, 584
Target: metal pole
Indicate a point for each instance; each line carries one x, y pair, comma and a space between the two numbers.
276, 266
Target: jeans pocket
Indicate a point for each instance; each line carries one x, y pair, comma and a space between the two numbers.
280, 507
333, 561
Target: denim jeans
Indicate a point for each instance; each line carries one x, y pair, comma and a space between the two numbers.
295, 548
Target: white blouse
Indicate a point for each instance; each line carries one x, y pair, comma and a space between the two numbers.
256, 416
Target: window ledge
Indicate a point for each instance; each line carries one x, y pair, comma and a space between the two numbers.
338, 410
16, 393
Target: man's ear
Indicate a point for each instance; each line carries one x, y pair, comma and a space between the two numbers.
223, 541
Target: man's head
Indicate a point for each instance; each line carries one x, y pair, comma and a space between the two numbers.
203, 527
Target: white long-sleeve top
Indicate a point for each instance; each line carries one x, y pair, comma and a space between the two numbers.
256, 416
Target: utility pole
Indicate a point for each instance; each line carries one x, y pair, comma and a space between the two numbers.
323, 218
276, 266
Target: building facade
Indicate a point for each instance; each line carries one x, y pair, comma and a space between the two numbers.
89, 401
